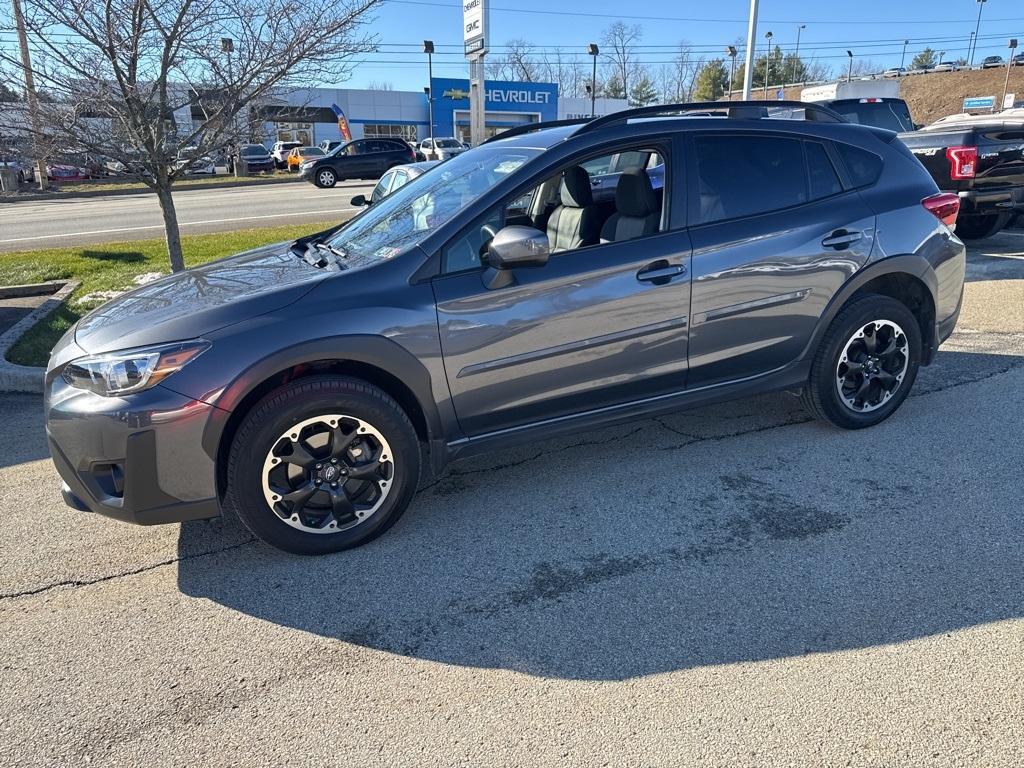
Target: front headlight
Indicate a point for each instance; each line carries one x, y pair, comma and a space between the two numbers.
122, 373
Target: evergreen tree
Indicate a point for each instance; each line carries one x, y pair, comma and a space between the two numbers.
925, 59
644, 92
613, 88
711, 81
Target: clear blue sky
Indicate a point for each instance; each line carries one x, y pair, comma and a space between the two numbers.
873, 29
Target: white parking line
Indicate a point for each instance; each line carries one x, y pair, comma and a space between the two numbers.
181, 224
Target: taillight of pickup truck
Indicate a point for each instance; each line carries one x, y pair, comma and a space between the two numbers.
963, 162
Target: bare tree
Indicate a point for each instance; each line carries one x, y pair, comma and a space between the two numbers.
380, 85
158, 84
517, 63
619, 48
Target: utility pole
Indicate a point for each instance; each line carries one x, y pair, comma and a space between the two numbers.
796, 56
731, 50
970, 45
593, 50
30, 93
849, 72
767, 62
977, 27
428, 48
748, 72
1012, 45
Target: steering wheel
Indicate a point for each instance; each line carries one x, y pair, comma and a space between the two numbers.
487, 233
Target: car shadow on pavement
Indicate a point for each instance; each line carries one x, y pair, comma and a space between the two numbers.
739, 533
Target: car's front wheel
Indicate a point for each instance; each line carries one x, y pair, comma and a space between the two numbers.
866, 363
321, 465
326, 178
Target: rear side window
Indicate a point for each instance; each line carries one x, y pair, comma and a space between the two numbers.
747, 175
864, 167
821, 174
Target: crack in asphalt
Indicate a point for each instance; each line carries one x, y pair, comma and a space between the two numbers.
110, 577
458, 474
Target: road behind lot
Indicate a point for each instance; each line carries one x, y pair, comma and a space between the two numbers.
53, 223
732, 587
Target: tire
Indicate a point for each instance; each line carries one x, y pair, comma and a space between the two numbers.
821, 395
978, 227
372, 423
325, 178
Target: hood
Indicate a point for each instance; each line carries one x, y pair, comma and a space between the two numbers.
188, 304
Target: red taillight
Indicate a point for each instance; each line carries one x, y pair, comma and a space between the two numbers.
962, 162
943, 206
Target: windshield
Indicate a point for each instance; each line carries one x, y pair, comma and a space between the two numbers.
891, 115
448, 144
408, 215
254, 150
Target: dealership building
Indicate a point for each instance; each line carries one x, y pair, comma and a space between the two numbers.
308, 116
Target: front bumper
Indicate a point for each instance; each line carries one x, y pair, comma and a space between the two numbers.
138, 458
980, 202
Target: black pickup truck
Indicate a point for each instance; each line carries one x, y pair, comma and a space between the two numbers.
981, 159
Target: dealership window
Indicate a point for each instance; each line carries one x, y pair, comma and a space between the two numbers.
300, 132
387, 131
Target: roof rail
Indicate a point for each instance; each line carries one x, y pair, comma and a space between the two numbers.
747, 110
531, 127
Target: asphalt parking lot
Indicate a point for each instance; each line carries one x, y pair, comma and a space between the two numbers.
728, 587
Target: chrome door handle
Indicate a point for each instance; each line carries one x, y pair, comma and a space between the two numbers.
660, 272
841, 238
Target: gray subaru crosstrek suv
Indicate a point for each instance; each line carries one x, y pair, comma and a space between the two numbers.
537, 284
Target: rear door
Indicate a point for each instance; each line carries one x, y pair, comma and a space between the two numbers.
776, 234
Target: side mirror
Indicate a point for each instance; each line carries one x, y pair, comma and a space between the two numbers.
518, 246
359, 201
512, 247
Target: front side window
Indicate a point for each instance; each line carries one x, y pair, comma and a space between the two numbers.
383, 186
746, 175
406, 217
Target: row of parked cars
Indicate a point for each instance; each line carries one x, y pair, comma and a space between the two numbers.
989, 62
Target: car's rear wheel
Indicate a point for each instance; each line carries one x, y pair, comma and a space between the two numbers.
321, 465
866, 363
978, 227
326, 178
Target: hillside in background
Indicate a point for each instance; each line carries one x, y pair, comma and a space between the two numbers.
942, 93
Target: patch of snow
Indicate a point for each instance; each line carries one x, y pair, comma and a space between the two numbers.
147, 277
97, 296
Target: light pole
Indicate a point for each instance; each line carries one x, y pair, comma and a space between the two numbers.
904, 56
970, 43
593, 50
731, 50
796, 56
1012, 45
849, 72
977, 26
428, 48
767, 62
748, 70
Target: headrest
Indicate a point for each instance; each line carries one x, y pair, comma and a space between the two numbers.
634, 195
575, 189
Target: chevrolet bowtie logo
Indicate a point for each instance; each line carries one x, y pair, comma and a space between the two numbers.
455, 93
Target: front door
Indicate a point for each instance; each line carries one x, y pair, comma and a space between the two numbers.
598, 325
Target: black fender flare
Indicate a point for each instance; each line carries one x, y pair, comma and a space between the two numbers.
377, 351
907, 264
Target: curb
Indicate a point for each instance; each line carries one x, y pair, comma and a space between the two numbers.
25, 378
31, 289
87, 193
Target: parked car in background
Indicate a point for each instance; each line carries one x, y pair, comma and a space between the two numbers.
280, 152
441, 148
299, 155
1018, 60
253, 158
992, 61
24, 168
493, 301
895, 72
980, 158
75, 166
328, 146
397, 177
946, 66
191, 164
359, 159
876, 103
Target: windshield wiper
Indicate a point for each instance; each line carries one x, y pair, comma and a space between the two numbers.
321, 246
308, 254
